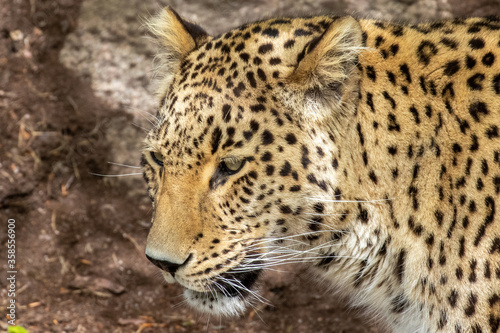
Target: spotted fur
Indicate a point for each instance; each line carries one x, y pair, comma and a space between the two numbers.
369, 149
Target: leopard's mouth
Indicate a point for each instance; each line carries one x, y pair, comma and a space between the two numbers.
229, 294
233, 284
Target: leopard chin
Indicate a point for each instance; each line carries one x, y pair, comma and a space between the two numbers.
217, 303
230, 294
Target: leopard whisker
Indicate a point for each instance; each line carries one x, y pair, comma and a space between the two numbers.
180, 304
122, 175
212, 291
287, 249
125, 165
292, 257
274, 239
221, 288
256, 310
347, 201
265, 261
141, 127
151, 118
255, 294
290, 251
316, 248
320, 214
328, 228
293, 260
239, 286
261, 243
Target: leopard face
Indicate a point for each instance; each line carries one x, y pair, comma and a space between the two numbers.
368, 149
236, 176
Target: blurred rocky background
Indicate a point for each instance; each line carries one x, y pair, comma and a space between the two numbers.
75, 97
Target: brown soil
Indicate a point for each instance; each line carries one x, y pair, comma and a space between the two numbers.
79, 237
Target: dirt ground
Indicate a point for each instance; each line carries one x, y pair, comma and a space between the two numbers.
80, 237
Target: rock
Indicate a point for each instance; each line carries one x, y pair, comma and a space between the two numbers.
16, 35
96, 284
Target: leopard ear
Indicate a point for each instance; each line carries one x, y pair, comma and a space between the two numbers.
327, 71
176, 38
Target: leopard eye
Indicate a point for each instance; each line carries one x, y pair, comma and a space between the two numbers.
157, 157
232, 166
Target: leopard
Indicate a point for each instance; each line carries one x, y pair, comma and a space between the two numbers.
366, 150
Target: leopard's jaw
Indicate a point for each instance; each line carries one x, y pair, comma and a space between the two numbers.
216, 303
226, 294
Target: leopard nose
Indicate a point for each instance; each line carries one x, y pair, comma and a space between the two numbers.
166, 265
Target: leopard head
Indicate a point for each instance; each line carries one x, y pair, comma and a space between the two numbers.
243, 153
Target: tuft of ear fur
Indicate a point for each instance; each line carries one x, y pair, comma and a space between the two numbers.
327, 76
176, 38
